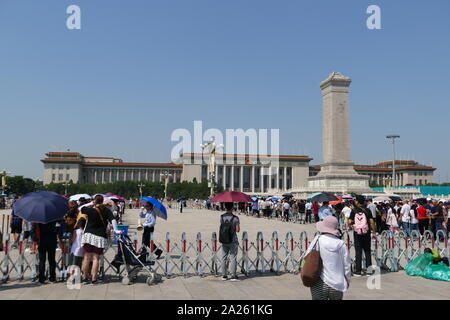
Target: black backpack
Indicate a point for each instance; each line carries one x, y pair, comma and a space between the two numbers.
226, 232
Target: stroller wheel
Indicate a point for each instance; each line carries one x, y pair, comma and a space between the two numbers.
151, 279
125, 281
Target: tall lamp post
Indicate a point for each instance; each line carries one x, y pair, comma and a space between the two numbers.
393, 137
4, 174
66, 184
166, 175
212, 162
141, 185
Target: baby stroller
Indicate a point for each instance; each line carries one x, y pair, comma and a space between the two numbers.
134, 262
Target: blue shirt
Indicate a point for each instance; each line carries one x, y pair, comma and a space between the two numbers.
324, 212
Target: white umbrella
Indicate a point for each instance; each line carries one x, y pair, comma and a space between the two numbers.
77, 197
381, 199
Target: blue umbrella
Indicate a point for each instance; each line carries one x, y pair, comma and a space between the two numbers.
158, 207
41, 207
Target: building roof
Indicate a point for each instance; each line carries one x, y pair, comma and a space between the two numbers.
250, 156
63, 154
397, 162
131, 164
377, 168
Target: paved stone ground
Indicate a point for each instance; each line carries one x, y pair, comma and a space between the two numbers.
265, 287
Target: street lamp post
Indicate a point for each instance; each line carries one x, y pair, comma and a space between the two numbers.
393, 137
4, 174
141, 185
66, 184
166, 175
212, 162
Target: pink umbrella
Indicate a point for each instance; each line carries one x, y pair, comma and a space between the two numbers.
231, 196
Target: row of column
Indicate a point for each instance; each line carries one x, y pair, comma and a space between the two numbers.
380, 179
107, 175
262, 186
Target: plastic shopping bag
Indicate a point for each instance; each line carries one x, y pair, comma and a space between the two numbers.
418, 265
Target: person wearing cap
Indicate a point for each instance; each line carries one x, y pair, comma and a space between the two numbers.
336, 271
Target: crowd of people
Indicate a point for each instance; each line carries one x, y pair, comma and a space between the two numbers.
87, 223
407, 215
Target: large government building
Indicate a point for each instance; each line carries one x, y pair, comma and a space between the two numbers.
233, 172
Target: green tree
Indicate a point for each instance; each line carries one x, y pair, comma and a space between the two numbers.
19, 185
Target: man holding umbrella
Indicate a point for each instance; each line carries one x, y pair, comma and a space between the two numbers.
44, 209
149, 215
47, 237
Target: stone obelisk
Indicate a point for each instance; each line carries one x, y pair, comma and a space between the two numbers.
337, 173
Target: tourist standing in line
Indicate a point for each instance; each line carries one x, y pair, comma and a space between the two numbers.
286, 208
324, 211
308, 208
95, 237
363, 224
414, 222
437, 218
405, 212
46, 237
346, 211
336, 271
423, 217
295, 211
315, 209
229, 227
16, 229
391, 220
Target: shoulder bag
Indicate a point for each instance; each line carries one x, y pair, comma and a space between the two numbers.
310, 272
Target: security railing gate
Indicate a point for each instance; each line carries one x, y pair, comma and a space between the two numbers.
203, 256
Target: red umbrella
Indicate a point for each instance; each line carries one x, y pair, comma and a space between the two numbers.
337, 201
231, 196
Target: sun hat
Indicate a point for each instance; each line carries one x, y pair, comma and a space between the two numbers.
329, 225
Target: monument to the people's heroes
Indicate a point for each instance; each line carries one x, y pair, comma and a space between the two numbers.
337, 173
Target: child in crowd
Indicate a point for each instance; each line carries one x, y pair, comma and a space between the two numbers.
76, 252
391, 220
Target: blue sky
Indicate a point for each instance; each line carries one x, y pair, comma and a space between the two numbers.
139, 69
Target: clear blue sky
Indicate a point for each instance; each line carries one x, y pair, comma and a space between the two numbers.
139, 69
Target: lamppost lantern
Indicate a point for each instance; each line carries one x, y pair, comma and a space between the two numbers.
393, 137
166, 175
212, 162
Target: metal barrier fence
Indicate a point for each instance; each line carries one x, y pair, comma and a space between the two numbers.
203, 256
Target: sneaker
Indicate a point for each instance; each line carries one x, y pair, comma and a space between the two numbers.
234, 279
357, 274
224, 278
370, 273
52, 280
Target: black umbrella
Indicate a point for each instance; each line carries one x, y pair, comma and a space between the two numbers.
41, 207
288, 195
323, 197
395, 198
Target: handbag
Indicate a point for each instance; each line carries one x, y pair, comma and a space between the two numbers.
108, 231
312, 267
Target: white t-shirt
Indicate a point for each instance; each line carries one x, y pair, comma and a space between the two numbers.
405, 213
347, 211
391, 219
413, 218
286, 206
77, 249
